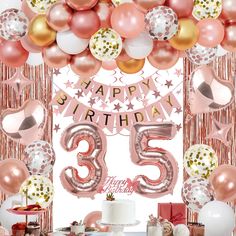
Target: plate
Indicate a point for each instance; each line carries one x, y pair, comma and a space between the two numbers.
26, 213
125, 225
66, 230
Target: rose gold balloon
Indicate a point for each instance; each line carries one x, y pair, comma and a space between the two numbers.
25, 124
81, 5
211, 32
54, 57
223, 181
163, 56
13, 173
145, 5
104, 11
229, 9
25, 8
109, 65
91, 219
183, 8
12, 53
29, 46
85, 65
59, 16
229, 41
123, 56
127, 20
85, 23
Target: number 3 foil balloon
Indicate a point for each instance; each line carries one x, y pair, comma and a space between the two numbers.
142, 154
93, 159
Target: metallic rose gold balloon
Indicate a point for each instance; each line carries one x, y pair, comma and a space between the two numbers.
229, 10
109, 65
93, 159
85, 23
91, 219
142, 154
123, 56
59, 16
145, 5
208, 92
223, 181
13, 173
25, 124
163, 56
54, 57
229, 41
28, 12
183, 8
29, 46
85, 64
81, 5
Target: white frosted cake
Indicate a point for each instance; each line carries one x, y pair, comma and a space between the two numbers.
118, 212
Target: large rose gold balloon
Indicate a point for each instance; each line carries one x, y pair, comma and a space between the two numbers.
40, 33
229, 9
12, 53
229, 41
54, 57
163, 56
183, 8
81, 5
25, 124
131, 66
145, 5
29, 46
13, 173
85, 23
59, 16
104, 11
223, 181
85, 65
91, 219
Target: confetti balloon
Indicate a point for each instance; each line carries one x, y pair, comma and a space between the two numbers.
200, 55
196, 193
105, 44
13, 24
40, 6
39, 189
39, 157
200, 160
207, 9
162, 23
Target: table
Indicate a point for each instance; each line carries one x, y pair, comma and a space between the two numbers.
108, 233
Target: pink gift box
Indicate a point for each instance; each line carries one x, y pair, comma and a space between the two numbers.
176, 213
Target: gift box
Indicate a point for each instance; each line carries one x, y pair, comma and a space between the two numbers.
176, 213
196, 229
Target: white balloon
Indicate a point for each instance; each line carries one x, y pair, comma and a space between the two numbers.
218, 218
69, 43
139, 47
181, 230
7, 4
8, 219
221, 51
35, 59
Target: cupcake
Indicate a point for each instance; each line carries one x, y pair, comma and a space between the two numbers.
167, 228
77, 228
33, 228
18, 229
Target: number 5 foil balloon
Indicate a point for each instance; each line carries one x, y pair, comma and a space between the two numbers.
142, 154
93, 159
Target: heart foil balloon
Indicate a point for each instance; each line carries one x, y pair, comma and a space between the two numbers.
25, 124
207, 92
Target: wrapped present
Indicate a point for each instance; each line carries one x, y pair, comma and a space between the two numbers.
176, 213
196, 229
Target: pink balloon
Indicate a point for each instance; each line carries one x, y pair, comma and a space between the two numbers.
29, 46
183, 8
85, 23
228, 10
142, 154
109, 65
13, 54
13, 173
127, 20
229, 41
25, 8
81, 5
211, 32
93, 159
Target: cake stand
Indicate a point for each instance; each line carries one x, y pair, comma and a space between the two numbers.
118, 229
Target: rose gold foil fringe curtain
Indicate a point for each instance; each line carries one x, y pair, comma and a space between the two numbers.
41, 90
196, 129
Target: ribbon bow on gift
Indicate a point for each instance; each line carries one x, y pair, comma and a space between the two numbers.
176, 218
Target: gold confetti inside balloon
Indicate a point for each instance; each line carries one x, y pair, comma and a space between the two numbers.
200, 160
40, 6
205, 9
105, 44
39, 189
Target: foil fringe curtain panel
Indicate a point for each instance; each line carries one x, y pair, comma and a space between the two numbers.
198, 127
41, 90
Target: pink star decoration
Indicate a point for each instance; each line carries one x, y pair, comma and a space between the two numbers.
220, 131
18, 82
